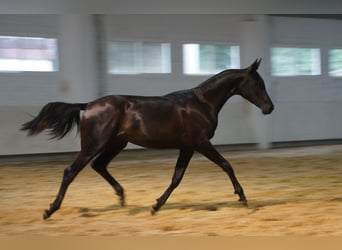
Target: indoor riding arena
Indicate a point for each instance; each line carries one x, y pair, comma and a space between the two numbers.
259, 93
289, 191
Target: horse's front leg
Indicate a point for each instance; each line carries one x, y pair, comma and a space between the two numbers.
210, 152
181, 165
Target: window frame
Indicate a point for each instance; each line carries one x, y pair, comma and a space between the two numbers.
328, 62
138, 43
55, 62
213, 43
298, 46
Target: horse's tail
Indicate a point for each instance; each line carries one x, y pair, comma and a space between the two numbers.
57, 117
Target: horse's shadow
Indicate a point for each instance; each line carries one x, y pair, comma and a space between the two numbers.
93, 212
253, 206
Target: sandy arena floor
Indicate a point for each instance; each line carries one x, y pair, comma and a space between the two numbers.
294, 191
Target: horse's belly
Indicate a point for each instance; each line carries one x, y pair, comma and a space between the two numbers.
152, 139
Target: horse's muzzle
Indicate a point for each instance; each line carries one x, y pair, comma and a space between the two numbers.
267, 108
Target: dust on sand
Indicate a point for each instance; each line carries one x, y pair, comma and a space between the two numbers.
290, 192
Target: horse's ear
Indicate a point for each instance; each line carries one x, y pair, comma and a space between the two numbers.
254, 67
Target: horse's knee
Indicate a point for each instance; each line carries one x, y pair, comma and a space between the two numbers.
97, 165
68, 175
94, 166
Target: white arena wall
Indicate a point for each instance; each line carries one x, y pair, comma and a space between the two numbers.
306, 107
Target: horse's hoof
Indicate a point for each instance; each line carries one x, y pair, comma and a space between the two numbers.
153, 211
121, 198
122, 203
244, 203
46, 214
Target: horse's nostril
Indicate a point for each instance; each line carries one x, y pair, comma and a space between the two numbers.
271, 108
267, 109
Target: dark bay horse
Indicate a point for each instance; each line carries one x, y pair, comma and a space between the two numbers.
185, 120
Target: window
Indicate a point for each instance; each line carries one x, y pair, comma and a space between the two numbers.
335, 62
139, 58
18, 54
295, 61
201, 59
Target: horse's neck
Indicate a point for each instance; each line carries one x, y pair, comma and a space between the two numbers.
218, 89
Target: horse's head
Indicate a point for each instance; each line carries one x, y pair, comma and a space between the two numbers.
252, 88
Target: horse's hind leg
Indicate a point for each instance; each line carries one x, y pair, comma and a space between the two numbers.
69, 175
100, 165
